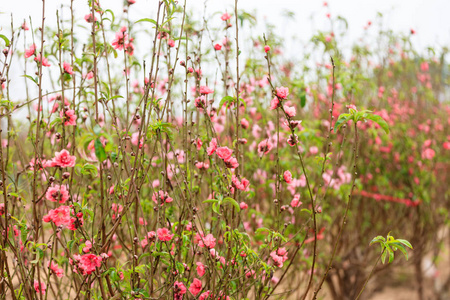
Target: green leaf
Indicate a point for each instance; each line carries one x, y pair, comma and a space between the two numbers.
143, 255
180, 267
343, 118
70, 244
146, 20
228, 100
216, 208
112, 14
233, 202
262, 229
307, 210
89, 169
391, 255
405, 242
377, 239
380, 121
211, 201
100, 150
402, 249
5, 39
241, 101
303, 99
383, 256
29, 77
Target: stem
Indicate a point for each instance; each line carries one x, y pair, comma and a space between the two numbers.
370, 275
344, 220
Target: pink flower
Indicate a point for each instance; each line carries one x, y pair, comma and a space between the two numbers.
428, 153
266, 48
196, 287
244, 123
25, 26
116, 208
89, 18
426, 144
352, 106
224, 152
204, 295
424, 66
88, 246
264, 147
250, 273
225, 17
231, 163
292, 140
2, 209
129, 47
88, 263
171, 43
240, 185
59, 216
200, 102
313, 150
164, 234
69, 117
90, 75
134, 140
57, 194
296, 201
243, 205
199, 144
39, 288
282, 92
282, 251
59, 272
179, 290
200, 269
208, 241
30, 51
204, 90
67, 68
44, 60
275, 103
121, 37
162, 196
287, 177
212, 147
202, 165
217, 47
41, 163
279, 257
290, 111
63, 159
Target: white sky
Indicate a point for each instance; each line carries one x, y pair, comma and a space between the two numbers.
430, 18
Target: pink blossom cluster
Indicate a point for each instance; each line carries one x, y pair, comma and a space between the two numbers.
86, 263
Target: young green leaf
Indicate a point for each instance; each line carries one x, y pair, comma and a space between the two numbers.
99, 150
380, 121
146, 20
5, 39
343, 118
233, 202
303, 99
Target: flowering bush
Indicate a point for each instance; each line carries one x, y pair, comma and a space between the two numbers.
214, 169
